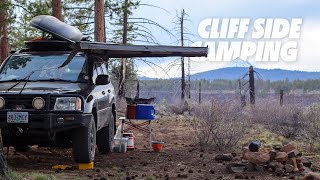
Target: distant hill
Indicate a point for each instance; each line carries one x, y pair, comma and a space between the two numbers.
145, 78
238, 67
239, 63
232, 73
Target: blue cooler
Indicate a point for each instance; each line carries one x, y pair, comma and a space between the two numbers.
145, 111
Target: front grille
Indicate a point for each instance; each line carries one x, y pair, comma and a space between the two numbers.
24, 100
52, 102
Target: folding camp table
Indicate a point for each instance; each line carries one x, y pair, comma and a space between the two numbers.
140, 125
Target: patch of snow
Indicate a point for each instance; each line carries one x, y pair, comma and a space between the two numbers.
238, 63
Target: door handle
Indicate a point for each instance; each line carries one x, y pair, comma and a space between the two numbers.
103, 92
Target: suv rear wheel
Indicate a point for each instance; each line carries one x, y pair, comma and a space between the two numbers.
84, 143
25, 148
105, 138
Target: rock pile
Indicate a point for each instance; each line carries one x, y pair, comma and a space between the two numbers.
285, 159
281, 159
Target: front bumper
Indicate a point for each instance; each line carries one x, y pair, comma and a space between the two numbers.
42, 129
48, 122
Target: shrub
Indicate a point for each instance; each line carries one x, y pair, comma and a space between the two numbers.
219, 125
178, 107
286, 121
311, 130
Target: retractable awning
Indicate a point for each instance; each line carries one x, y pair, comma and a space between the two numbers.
127, 51
73, 36
130, 51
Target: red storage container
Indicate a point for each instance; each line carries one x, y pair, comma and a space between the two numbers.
131, 111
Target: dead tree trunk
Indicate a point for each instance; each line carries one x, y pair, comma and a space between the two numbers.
4, 40
199, 92
242, 96
183, 81
99, 26
251, 85
189, 80
57, 9
121, 92
138, 90
281, 97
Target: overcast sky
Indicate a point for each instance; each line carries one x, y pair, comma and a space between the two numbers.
309, 42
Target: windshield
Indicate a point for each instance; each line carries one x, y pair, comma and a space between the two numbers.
43, 68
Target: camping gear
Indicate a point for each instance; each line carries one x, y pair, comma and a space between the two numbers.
140, 100
120, 145
130, 137
254, 146
157, 146
131, 111
145, 112
137, 124
58, 29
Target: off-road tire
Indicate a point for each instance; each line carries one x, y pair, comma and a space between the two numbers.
105, 138
84, 143
25, 148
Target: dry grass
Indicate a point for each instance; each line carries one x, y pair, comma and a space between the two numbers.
14, 175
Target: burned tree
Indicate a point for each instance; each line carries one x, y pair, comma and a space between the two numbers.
281, 97
121, 91
182, 18
251, 85
138, 90
183, 80
199, 92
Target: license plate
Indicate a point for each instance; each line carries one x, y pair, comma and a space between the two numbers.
17, 117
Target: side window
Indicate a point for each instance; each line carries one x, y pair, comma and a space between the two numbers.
97, 70
104, 69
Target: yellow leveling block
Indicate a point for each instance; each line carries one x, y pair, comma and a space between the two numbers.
85, 166
61, 167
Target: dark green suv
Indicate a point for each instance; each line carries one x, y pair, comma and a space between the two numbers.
43, 104
57, 92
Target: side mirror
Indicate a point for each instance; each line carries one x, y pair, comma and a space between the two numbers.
102, 80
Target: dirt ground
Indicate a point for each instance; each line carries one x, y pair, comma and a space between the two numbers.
181, 159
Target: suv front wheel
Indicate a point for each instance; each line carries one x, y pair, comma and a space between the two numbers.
84, 143
105, 138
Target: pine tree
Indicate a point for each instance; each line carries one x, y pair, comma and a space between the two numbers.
4, 42
99, 21
57, 9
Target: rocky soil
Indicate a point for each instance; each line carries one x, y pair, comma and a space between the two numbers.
181, 159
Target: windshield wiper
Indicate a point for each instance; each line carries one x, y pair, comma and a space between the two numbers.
11, 80
56, 79
26, 79
16, 80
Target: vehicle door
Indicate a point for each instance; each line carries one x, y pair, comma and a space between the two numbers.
100, 94
110, 94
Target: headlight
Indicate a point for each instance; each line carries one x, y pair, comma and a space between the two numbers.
68, 104
38, 103
2, 103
